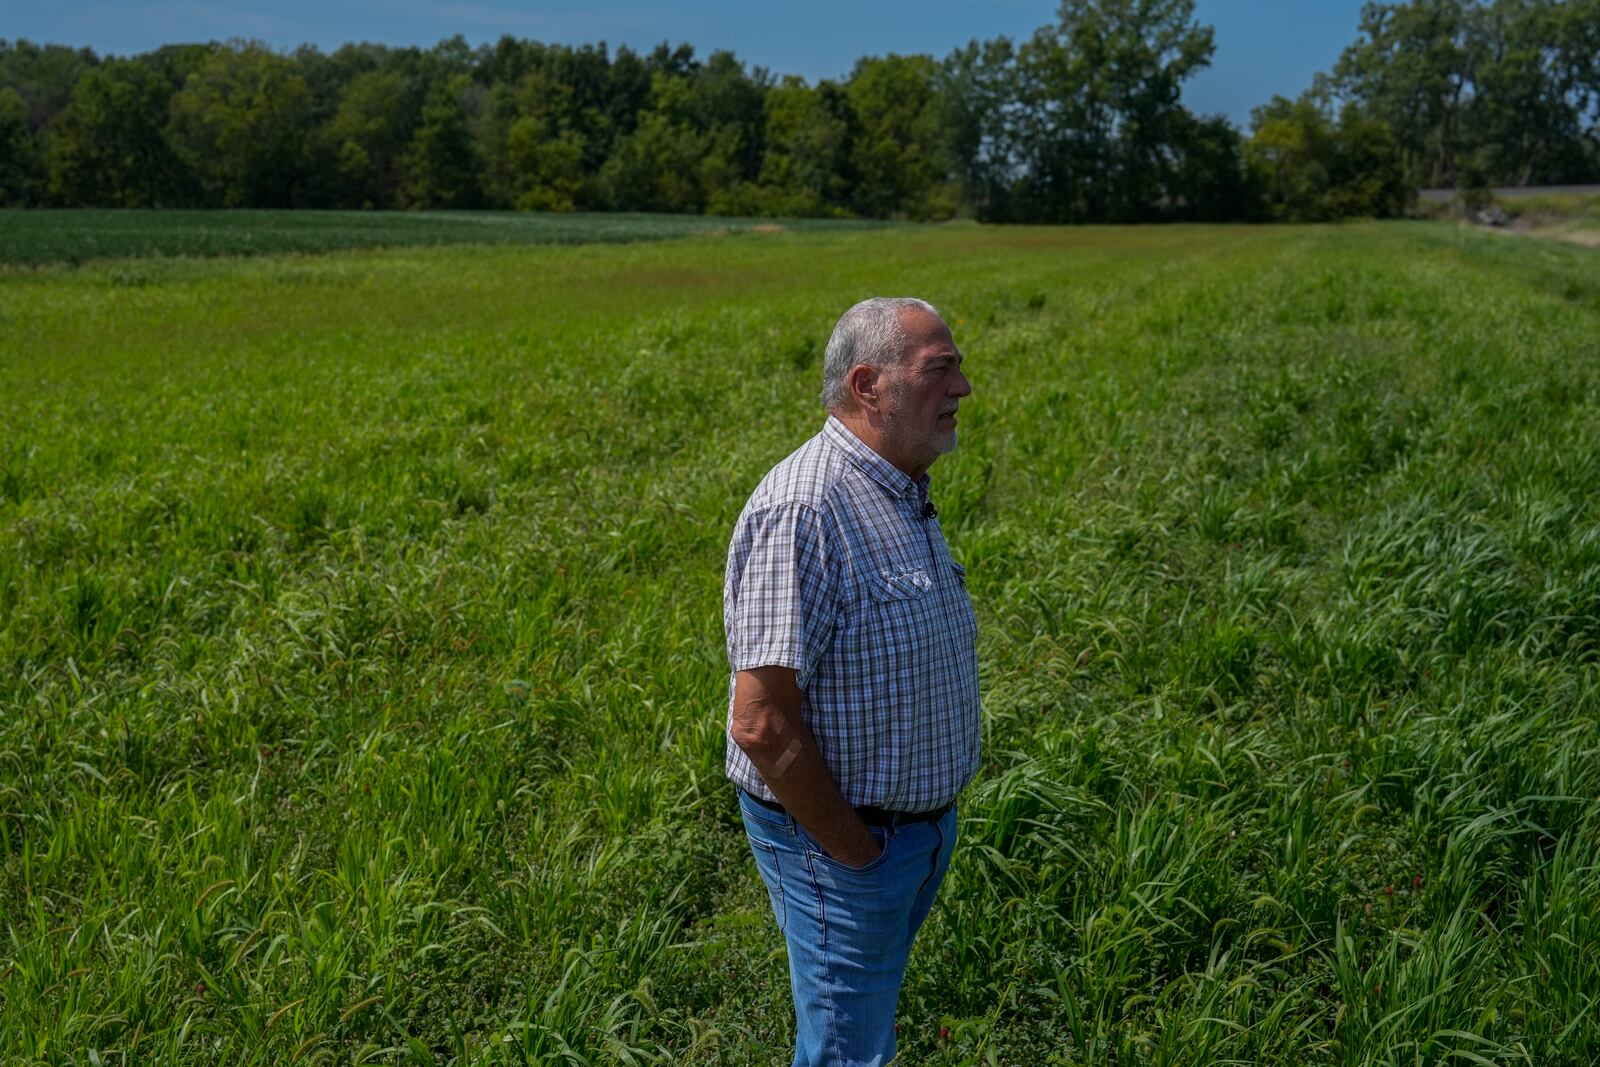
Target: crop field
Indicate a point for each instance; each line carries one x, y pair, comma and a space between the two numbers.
362, 682
77, 236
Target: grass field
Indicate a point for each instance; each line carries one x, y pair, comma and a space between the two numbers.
362, 684
78, 236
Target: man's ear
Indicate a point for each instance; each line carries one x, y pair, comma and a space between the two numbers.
863, 383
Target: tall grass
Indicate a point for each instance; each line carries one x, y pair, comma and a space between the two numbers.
362, 680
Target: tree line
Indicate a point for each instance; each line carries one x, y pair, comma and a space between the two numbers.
1081, 122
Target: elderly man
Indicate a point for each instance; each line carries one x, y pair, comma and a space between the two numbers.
853, 711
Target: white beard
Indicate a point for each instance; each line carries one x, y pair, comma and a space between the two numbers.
942, 441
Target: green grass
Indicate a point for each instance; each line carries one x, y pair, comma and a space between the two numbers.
78, 236
362, 684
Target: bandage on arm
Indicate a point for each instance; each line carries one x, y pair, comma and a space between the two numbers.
790, 754
770, 729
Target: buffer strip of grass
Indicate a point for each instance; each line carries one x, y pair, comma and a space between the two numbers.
364, 685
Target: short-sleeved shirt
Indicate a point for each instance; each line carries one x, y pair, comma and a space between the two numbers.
838, 570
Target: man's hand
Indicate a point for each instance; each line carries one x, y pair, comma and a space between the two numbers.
853, 860
768, 727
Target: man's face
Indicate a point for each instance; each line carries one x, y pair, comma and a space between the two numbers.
924, 391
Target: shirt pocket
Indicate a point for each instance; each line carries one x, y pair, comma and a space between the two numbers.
897, 597
899, 635
900, 583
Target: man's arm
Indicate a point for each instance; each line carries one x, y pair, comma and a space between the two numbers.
768, 727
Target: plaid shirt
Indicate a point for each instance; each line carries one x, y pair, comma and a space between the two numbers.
834, 572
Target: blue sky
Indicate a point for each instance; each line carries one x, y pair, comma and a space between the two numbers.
1263, 47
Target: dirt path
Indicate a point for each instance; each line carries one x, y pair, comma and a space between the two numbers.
1577, 235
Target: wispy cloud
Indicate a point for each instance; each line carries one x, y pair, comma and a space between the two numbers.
549, 23
180, 20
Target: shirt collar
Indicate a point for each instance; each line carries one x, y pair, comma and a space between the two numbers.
886, 474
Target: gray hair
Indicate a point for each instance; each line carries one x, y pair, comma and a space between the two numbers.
868, 333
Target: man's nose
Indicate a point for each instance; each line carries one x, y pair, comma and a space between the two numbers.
961, 387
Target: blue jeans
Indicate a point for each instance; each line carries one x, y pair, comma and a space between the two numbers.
849, 929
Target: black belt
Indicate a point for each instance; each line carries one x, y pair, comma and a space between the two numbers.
870, 815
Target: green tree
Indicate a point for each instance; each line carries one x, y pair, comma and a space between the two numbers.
1312, 169
554, 99
1100, 95
547, 165
241, 121
1474, 92
625, 96
656, 167
805, 170
1288, 151
1578, 30
1412, 68
984, 127
1210, 180
898, 154
366, 139
1526, 121
725, 104
21, 168
45, 76
175, 62
1367, 175
545, 145
549, 168
441, 166
108, 147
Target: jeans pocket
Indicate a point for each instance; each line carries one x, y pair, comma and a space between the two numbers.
767, 864
815, 851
